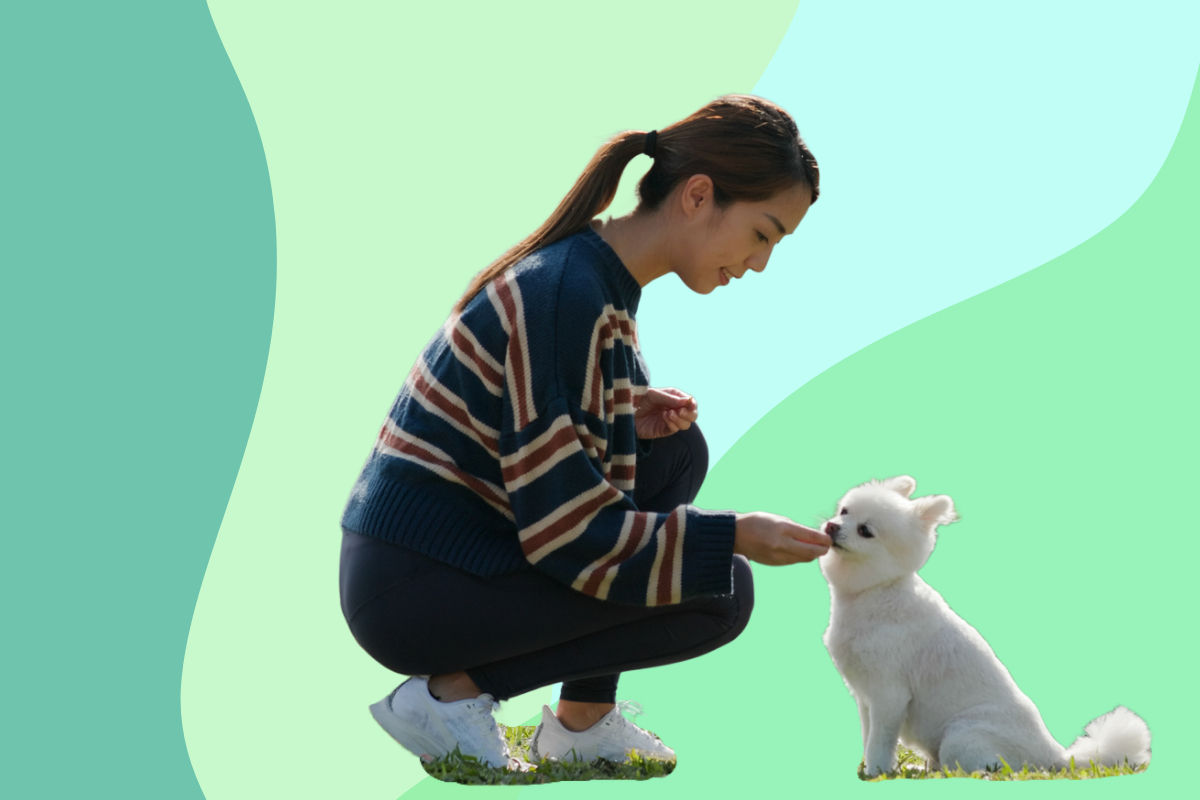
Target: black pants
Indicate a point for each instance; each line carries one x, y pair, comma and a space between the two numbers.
515, 632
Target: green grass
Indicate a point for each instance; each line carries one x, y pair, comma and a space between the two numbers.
457, 768
911, 766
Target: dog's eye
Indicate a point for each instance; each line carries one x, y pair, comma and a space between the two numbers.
845, 512
864, 532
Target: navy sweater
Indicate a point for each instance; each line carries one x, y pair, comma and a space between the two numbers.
512, 441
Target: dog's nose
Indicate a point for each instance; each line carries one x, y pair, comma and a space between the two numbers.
832, 528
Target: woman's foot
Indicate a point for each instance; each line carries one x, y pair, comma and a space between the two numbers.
576, 716
430, 728
453, 686
611, 737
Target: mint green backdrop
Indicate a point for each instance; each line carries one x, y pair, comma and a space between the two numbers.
227, 231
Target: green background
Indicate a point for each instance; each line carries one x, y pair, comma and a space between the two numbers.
224, 243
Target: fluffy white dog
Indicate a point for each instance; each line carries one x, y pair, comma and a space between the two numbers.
920, 674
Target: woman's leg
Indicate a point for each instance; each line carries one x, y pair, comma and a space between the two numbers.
513, 633
668, 477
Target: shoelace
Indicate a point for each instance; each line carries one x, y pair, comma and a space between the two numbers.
624, 706
627, 707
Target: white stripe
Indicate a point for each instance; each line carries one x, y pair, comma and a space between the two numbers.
602, 592
475, 431
523, 340
636, 392
609, 316
571, 534
514, 390
624, 484
660, 537
568, 448
442, 471
677, 563
590, 442
455, 324
605, 585
498, 307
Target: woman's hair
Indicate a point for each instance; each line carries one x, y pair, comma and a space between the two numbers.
748, 146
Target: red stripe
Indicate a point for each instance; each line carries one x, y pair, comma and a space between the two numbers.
468, 349
474, 484
571, 520
666, 571
604, 335
438, 398
538, 456
636, 534
515, 358
623, 472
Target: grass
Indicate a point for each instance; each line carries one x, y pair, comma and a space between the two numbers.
457, 768
911, 766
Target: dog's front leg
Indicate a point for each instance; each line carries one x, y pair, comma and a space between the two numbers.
864, 720
885, 716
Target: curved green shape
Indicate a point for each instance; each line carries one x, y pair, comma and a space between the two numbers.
139, 254
407, 143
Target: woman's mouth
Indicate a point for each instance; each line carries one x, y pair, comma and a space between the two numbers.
725, 277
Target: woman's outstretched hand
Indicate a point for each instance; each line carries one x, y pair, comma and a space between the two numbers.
662, 412
775, 540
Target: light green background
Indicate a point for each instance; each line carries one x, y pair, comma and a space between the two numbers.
181, 191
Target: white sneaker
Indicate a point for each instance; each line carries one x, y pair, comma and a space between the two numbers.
612, 738
429, 728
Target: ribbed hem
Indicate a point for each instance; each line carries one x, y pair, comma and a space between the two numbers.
708, 553
441, 523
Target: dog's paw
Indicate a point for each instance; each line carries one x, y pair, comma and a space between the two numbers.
870, 773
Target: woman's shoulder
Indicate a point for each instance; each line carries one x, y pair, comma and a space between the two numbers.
566, 276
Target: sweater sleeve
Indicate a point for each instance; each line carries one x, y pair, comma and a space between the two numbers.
568, 460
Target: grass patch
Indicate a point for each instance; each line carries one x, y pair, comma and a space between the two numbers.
911, 766
457, 768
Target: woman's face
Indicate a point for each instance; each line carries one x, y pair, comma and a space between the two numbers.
720, 245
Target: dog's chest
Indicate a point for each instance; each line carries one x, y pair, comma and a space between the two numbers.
868, 636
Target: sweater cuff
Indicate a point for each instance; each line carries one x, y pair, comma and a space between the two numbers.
708, 553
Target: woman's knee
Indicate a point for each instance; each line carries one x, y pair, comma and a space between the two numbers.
743, 595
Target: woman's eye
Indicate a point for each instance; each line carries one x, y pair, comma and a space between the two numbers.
762, 238
864, 532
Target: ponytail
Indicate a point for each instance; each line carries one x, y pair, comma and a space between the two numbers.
748, 146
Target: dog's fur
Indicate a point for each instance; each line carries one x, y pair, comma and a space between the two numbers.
920, 674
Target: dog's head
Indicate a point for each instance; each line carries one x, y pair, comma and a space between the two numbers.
881, 533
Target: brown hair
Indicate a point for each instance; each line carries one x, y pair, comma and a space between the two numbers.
748, 146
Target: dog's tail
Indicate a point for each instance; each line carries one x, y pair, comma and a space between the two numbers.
1112, 739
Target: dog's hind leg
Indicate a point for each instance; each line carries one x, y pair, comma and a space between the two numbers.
970, 746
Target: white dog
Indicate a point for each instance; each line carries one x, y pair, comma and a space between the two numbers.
920, 674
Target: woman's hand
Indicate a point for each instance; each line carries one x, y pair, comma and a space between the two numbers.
776, 540
662, 412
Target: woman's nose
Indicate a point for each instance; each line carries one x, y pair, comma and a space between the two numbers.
758, 261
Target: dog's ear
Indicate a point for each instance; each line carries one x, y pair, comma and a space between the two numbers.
936, 509
901, 484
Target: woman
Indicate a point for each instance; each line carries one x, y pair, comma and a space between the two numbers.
524, 518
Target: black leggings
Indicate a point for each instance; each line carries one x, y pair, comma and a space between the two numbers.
515, 632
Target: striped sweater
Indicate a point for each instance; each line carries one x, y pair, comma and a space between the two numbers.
513, 441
